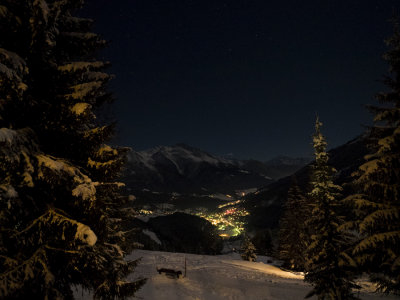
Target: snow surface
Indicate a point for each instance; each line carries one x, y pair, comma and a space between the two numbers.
152, 235
218, 277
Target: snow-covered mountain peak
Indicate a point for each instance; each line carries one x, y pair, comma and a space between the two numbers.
182, 168
177, 154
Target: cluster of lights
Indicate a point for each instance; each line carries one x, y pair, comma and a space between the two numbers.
229, 221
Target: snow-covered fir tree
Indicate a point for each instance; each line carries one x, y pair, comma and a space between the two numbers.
326, 262
247, 250
377, 203
293, 233
60, 209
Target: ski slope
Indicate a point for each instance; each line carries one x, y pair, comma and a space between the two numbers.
220, 277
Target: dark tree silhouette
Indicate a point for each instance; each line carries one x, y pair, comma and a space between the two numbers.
60, 205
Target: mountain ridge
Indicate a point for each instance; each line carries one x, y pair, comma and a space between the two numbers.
183, 168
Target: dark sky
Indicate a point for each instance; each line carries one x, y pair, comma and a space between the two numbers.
242, 77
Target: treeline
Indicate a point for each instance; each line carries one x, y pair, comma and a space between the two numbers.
334, 239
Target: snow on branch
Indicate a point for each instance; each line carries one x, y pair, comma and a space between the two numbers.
369, 167
81, 91
80, 108
106, 150
7, 136
101, 165
115, 184
12, 77
379, 238
57, 222
81, 66
97, 76
98, 133
7, 191
389, 215
55, 165
385, 113
386, 143
85, 187
15, 278
13, 143
359, 201
86, 191
13, 61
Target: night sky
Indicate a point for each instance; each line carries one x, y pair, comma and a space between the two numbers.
242, 77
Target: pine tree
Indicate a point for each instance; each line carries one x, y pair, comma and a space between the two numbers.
377, 203
293, 233
60, 204
326, 261
248, 251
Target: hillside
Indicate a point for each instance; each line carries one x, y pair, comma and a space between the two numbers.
276, 168
265, 205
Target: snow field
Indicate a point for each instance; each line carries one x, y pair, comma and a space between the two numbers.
220, 277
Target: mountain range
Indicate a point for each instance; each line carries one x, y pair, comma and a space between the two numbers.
185, 169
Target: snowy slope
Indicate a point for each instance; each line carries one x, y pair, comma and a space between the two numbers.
219, 277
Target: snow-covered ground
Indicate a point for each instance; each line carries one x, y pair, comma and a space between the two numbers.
220, 277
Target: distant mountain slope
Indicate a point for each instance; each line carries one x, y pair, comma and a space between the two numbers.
276, 168
265, 205
185, 169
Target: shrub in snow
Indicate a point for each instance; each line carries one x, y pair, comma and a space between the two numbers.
61, 215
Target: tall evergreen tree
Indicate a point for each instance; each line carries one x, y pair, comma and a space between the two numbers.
60, 209
377, 203
326, 260
293, 233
